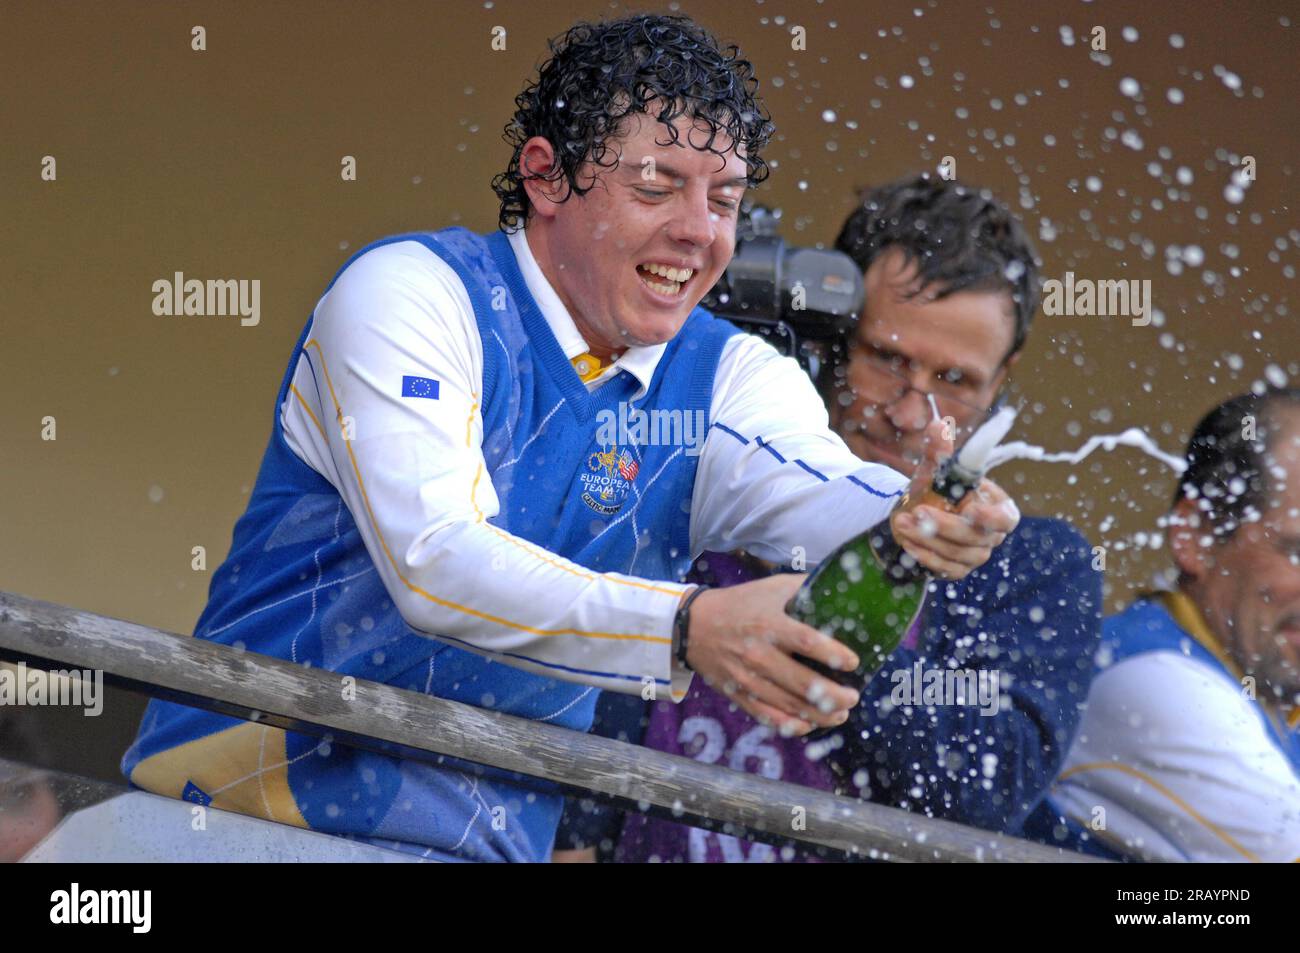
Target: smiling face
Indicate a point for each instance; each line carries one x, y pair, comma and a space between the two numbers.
632, 258
1248, 586
952, 347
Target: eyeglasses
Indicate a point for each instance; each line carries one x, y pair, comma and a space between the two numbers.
884, 379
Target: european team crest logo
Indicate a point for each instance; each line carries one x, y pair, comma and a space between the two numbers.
609, 478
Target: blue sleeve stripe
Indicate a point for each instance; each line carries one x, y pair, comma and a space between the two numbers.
770, 449
872, 490
311, 367
563, 668
819, 475
725, 429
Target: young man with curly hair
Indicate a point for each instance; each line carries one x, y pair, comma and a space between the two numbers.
439, 509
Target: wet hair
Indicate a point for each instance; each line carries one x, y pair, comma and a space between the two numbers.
600, 73
1227, 461
960, 239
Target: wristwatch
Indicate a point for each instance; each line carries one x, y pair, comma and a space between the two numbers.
682, 626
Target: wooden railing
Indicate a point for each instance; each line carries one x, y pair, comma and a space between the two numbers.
272, 691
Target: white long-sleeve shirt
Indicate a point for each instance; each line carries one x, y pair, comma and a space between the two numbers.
1173, 762
772, 477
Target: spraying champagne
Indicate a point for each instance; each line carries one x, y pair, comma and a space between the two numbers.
869, 591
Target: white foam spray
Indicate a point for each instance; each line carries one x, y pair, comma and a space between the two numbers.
1133, 437
976, 453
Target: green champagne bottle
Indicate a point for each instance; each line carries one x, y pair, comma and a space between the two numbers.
865, 594
869, 591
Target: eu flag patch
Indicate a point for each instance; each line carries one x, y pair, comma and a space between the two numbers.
420, 387
195, 794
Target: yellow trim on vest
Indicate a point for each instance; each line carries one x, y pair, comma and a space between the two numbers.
310, 413
243, 769
1191, 620
486, 616
1188, 615
1191, 811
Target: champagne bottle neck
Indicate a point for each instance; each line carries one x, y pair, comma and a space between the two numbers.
952, 481
896, 563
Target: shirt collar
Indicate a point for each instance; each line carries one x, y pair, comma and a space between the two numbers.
1188, 615
1191, 620
640, 362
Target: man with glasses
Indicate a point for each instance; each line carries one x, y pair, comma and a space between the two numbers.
951, 287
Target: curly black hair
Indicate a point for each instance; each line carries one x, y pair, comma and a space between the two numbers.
961, 239
599, 73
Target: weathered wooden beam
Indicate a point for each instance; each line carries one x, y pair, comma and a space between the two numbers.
310, 700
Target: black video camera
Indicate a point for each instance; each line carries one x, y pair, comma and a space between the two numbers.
803, 300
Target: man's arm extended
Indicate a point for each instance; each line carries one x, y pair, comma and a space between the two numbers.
776, 481
410, 469
773, 478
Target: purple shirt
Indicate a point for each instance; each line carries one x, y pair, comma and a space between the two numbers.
708, 727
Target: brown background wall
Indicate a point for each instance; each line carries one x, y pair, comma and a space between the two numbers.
225, 164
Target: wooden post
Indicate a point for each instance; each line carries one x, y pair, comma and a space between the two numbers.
310, 700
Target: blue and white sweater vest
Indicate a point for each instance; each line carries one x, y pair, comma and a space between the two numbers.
299, 584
